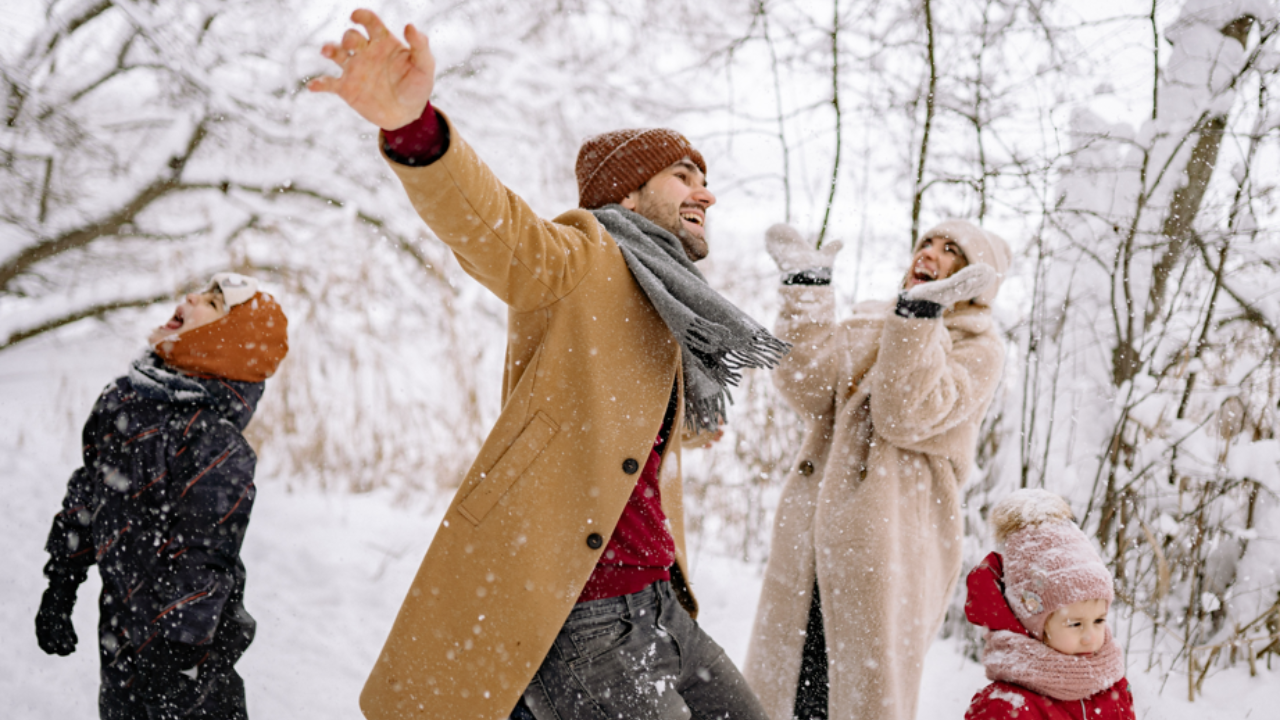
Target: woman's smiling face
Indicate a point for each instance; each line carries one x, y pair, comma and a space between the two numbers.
935, 258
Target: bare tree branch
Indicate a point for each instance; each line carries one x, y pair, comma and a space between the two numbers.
95, 311
835, 104
918, 196
110, 225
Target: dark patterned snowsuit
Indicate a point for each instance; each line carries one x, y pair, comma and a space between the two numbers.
161, 505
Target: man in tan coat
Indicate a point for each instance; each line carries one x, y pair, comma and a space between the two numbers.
615, 346
866, 543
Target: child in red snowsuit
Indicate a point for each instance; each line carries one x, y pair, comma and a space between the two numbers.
1044, 604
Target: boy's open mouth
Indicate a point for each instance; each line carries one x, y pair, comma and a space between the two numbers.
175, 322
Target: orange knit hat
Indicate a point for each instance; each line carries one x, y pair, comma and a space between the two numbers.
246, 344
613, 164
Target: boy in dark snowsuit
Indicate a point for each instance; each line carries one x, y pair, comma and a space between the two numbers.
161, 505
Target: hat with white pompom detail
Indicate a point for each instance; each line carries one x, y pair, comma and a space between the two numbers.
979, 246
246, 344
613, 164
236, 288
1049, 563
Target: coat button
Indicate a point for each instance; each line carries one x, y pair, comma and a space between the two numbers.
806, 468
594, 541
630, 466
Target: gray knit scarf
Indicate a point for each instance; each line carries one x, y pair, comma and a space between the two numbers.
716, 338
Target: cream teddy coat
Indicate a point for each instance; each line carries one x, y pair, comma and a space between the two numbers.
871, 507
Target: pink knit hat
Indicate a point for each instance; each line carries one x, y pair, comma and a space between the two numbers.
1049, 563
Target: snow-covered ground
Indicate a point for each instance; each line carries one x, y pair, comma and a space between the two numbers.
327, 573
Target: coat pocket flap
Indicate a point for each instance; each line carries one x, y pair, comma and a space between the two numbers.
527, 446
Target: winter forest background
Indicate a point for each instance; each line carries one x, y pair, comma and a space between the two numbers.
1129, 151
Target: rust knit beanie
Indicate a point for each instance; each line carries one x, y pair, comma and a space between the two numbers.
246, 344
613, 164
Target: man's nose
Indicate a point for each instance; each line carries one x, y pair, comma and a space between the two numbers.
703, 197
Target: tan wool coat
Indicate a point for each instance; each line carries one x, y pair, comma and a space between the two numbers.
892, 408
589, 371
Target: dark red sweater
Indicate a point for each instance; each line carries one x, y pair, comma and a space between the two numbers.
641, 550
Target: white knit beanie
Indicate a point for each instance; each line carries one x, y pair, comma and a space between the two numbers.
1049, 563
979, 246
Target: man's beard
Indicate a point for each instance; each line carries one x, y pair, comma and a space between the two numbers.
667, 217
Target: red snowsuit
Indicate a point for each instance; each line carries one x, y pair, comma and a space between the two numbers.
985, 606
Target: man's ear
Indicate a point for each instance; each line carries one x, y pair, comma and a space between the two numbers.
631, 201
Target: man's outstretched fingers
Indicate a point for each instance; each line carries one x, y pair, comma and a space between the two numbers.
324, 83
385, 82
353, 41
417, 41
372, 24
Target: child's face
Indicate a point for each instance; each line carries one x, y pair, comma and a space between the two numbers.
196, 309
1078, 628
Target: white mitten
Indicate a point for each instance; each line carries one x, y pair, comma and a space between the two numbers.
793, 253
964, 285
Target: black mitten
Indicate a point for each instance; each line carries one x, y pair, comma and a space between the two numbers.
54, 631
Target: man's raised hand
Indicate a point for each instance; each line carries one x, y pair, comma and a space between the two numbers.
387, 83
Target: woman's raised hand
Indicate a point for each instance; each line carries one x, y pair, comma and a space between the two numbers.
387, 83
793, 253
966, 284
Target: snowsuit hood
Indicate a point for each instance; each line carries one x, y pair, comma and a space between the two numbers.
233, 400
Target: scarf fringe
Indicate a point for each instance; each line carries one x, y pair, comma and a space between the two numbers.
702, 414
717, 339
706, 339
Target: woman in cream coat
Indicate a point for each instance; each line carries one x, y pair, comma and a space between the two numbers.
866, 543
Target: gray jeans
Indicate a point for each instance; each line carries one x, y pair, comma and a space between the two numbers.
639, 657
